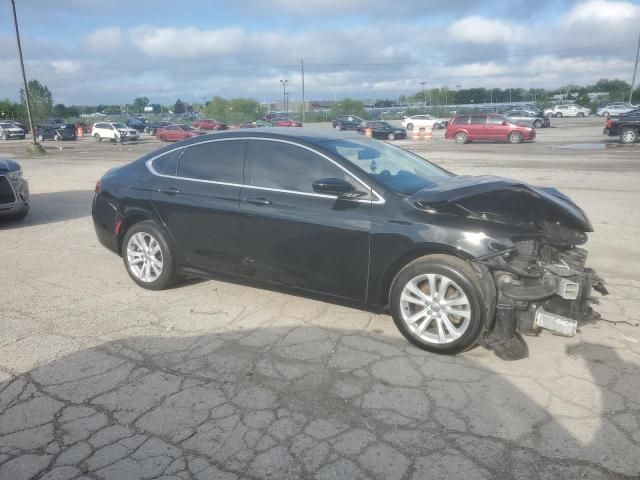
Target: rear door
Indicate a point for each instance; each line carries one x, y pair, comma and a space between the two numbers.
196, 195
295, 236
477, 127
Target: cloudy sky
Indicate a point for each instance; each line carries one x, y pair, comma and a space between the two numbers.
91, 52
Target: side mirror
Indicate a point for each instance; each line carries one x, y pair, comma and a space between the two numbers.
336, 186
504, 123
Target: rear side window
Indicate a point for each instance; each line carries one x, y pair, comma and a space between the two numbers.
494, 120
478, 119
288, 167
221, 161
167, 164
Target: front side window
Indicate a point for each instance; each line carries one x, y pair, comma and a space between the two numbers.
478, 120
167, 164
284, 166
220, 161
395, 168
496, 120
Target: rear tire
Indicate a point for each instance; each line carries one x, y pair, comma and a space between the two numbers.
16, 217
559, 115
580, 115
446, 319
605, 114
391, 136
148, 257
97, 137
409, 126
628, 136
537, 124
5, 136
338, 127
163, 138
461, 138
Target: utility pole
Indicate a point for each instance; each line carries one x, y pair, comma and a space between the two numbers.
424, 100
24, 75
635, 70
284, 96
304, 105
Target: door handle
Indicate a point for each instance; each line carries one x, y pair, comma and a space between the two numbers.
169, 191
258, 201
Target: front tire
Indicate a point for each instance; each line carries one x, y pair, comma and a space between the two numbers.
515, 137
148, 257
97, 137
338, 127
461, 138
5, 136
605, 114
628, 136
559, 115
436, 303
537, 124
409, 126
391, 136
580, 115
163, 138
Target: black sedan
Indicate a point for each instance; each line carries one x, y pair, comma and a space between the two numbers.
383, 130
14, 191
458, 260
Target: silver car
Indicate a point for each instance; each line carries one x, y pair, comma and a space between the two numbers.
616, 108
9, 130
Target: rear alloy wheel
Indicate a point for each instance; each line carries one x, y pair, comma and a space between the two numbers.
580, 114
97, 137
391, 136
461, 138
628, 136
148, 257
409, 126
605, 114
338, 126
537, 124
515, 137
559, 115
436, 304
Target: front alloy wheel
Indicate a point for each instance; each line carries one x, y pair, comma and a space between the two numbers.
147, 256
436, 304
461, 138
515, 137
628, 136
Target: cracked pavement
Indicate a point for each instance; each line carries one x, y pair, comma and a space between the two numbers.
100, 379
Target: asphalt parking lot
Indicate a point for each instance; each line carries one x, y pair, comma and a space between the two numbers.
216, 380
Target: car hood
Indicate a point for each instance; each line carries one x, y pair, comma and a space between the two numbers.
7, 165
503, 200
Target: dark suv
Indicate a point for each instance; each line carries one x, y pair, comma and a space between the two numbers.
348, 122
14, 191
627, 126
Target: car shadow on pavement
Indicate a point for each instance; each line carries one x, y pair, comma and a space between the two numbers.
53, 207
310, 401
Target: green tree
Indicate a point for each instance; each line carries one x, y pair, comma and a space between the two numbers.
235, 110
59, 110
138, 104
179, 107
41, 100
11, 110
348, 106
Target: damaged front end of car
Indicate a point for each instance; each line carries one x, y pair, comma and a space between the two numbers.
541, 281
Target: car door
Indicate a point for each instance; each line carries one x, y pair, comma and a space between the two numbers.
196, 194
172, 133
295, 236
477, 127
495, 128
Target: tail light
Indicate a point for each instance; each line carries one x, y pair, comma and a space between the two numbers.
98, 186
609, 123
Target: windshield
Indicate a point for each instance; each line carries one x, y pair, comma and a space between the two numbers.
186, 127
119, 125
6, 125
395, 168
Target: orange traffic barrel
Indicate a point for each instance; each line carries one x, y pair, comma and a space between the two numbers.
80, 132
428, 134
368, 132
415, 134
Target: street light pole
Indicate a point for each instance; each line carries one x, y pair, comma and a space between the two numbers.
424, 100
635, 70
284, 96
24, 75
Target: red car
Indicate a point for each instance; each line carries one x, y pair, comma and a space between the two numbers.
209, 124
286, 123
175, 133
487, 126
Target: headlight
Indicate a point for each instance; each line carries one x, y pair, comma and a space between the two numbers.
15, 176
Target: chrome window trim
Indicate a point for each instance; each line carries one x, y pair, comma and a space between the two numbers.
379, 200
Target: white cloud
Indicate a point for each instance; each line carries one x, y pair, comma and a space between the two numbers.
484, 30
105, 39
603, 11
186, 42
65, 66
